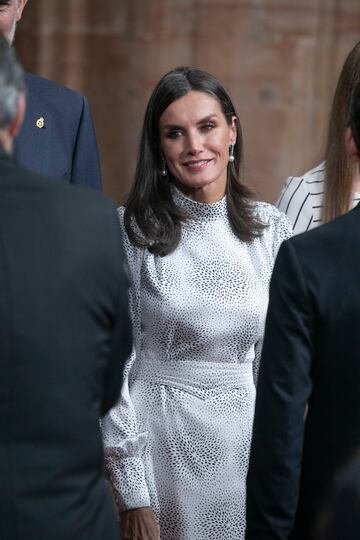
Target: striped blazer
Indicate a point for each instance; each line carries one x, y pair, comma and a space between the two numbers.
301, 199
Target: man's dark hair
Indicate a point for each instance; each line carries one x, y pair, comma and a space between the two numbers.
11, 83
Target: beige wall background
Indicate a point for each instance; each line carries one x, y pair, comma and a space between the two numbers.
279, 59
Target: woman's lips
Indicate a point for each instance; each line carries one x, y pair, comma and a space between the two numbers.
198, 165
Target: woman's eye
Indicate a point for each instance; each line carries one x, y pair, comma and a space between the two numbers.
174, 134
208, 126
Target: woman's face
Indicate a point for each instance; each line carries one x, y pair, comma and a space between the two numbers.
195, 139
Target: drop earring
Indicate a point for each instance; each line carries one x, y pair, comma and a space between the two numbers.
164, 169
231, 154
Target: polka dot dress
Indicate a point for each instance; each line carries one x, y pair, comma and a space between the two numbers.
179, 438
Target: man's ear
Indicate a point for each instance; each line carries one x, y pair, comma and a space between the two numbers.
19, 118
351, 149
19, 9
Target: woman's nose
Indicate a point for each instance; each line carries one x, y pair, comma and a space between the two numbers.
194, 143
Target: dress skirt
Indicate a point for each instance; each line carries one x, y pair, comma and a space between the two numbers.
198, 419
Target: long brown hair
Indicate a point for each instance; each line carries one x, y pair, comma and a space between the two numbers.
339, 169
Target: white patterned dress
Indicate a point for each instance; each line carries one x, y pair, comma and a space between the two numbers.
179, 438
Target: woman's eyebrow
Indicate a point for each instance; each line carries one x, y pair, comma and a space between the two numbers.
201, 121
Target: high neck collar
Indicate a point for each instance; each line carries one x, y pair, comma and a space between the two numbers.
197, 210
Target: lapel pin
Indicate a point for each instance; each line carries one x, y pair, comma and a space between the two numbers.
40, 122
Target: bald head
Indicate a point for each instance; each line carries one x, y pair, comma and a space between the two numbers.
10, 14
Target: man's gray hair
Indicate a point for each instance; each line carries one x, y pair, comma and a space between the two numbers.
12, 83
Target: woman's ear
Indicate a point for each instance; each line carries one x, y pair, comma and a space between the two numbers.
351, 149
233, 130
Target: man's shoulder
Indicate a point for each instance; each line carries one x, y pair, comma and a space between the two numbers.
331, 237
47, 90
16, 176
74, 196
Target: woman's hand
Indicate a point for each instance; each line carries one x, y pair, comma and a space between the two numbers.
139, 524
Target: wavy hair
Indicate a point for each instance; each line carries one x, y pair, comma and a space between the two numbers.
152, 219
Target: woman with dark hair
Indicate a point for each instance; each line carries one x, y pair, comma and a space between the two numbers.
333, 187
200, 254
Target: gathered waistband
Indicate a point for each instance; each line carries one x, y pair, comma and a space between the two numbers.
194, 376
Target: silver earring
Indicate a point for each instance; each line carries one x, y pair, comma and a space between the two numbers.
231, 153
164, 169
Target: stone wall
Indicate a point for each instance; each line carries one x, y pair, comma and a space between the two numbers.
279, 59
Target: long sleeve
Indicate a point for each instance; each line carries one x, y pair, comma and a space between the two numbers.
284, 387
85, 161
123, 440
279, 229
121, 344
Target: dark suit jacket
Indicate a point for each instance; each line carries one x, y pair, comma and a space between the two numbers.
64, 335
65, 147
340, 518
311, 353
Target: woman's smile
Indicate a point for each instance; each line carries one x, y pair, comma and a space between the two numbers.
196, 166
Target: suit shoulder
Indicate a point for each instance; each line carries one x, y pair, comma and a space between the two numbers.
22, 177
60, 193
331, 237
300, 186
87, 198
314, 175
49, 91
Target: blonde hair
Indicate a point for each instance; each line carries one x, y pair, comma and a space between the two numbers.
339, 169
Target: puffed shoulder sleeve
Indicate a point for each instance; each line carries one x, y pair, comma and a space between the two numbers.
278, 228
124, 442
282, 231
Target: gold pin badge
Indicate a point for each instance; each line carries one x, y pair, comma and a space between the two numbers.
40, 122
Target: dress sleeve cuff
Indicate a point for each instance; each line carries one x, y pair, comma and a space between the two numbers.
128, 481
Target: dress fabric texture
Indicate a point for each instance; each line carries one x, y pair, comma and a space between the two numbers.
301, 199
179, 438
